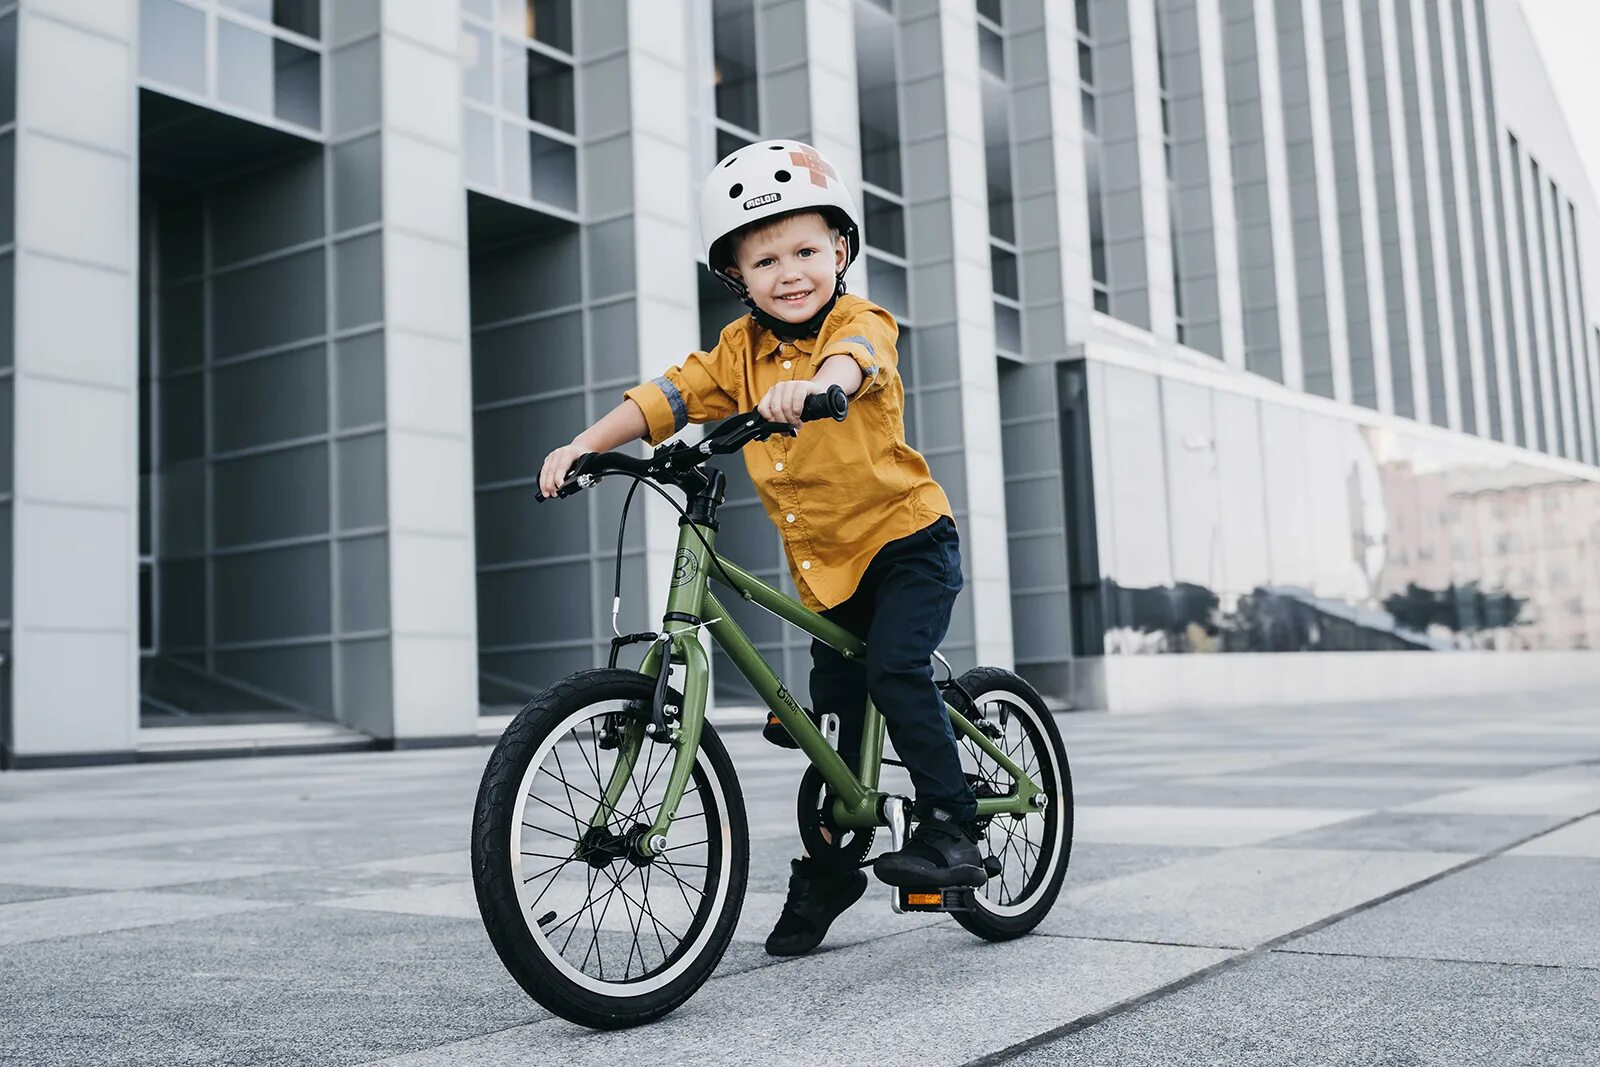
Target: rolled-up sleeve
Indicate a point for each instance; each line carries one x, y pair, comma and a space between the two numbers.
704, 388
870, 339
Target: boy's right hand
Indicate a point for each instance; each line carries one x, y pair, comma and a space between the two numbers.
557, 465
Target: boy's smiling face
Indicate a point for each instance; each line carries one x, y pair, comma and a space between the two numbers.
789, 267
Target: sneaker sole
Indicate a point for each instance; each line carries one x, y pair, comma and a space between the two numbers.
966, 876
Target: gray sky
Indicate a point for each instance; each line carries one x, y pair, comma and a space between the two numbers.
1568, 34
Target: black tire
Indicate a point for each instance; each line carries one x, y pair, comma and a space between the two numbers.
503, 815
1008, 908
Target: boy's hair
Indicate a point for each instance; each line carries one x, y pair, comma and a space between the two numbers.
731, 244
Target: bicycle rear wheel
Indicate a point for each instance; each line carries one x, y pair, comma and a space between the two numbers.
588, 927
1033, 848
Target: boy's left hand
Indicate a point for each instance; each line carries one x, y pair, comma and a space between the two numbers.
784, 401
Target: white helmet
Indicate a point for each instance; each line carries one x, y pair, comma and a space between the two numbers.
765, 180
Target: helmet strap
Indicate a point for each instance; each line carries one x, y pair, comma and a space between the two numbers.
793, 331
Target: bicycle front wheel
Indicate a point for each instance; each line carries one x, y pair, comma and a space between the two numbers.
588, 927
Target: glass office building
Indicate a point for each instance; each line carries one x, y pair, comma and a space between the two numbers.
1251, 340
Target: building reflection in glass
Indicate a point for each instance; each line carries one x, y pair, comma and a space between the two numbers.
1227, 522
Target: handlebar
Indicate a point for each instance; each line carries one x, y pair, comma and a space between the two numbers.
677, 458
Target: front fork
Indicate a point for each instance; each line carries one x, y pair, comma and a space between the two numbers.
683, 734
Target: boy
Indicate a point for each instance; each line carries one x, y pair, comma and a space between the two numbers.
868, 532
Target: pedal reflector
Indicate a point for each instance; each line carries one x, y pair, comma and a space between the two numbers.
958, 898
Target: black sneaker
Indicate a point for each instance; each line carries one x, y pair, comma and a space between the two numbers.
818, 894
942, 852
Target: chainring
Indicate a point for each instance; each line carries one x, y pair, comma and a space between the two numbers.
840, 848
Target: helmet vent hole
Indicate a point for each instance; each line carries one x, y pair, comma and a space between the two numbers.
775, 148
731, 160
735, 191
781, 175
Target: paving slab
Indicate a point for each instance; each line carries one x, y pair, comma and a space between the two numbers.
94, 913
1509, 909
1203, 901
1331, 1012
799, 1012
286, 987
1154, 824
1580, 839
1422, 832
1518, 798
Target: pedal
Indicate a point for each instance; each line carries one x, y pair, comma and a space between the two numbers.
774, 732
958, 898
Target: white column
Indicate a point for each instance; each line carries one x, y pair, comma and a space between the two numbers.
1366, 180
1405, 217
1067, 157
1155, 211
1443, 302
1224, 224
1577, 332
1463, 223
75, 679
1544, 345
985, 556
1327, 200
1274, 141
1525, 331
666, 233
1488, 144
427, 375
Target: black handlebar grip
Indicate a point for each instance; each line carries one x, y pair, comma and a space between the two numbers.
830, 405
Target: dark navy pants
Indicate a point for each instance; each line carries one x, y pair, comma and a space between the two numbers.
901, 609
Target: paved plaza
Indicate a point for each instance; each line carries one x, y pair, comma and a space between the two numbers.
1408, 884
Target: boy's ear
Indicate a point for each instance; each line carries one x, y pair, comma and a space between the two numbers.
841, 252
734, 273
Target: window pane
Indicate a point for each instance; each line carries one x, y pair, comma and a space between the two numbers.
244, 67
480, 147
991, 52
887, 284
172, 44
540, 169
297, 91
878, 100
1008, 329
477, 64
729, 143
733, 38
886, 225
546, 21
1085, 64
536, 87
8, 63
1004, 267
991, 10
300, 16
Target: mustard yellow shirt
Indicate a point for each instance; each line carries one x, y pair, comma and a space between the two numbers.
838, 491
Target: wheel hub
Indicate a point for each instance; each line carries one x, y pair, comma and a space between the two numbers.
600, 848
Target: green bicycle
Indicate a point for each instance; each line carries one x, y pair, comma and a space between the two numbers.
610, 847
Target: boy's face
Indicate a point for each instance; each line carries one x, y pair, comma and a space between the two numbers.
790, 267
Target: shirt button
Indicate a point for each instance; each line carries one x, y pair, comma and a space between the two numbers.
789, 517
786, 364
806, 565
777, 466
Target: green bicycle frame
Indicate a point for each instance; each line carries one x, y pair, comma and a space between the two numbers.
691, 604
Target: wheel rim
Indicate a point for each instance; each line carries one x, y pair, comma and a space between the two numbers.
618, 928
1030, 848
